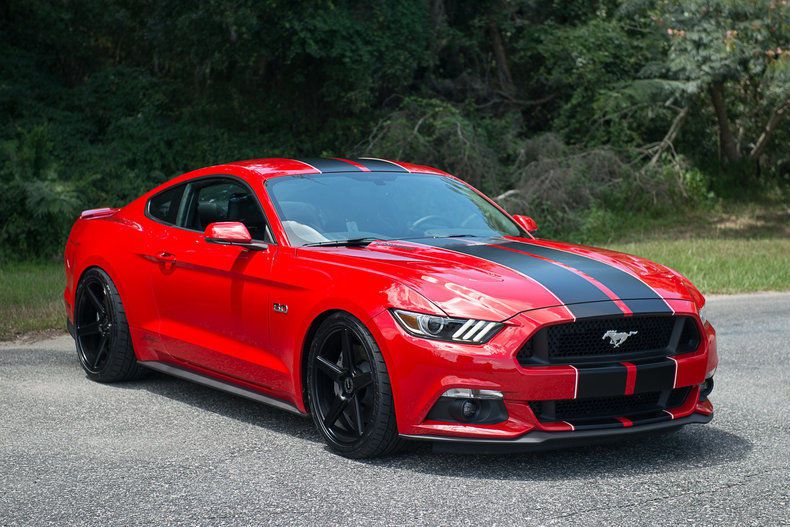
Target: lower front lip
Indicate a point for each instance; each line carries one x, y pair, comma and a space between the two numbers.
540, 440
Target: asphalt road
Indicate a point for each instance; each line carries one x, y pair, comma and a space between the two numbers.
164, 451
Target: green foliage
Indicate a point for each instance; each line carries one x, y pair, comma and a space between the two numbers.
578, 112
35, 206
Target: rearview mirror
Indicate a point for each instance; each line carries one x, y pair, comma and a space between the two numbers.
526, 222
231, 233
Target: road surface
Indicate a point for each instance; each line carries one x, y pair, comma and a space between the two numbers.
164, 451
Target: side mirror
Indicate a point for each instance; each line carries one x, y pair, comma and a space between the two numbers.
231, 233
526, 222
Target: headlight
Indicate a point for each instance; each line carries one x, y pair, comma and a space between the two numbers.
444, 328
702, 315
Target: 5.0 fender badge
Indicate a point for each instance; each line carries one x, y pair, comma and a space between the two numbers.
280, 308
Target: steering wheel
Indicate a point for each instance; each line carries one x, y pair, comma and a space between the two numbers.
426, 219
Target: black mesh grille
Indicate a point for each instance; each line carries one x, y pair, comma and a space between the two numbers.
597, 339
616, 406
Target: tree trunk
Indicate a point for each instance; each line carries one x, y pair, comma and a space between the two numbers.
729, 147
500, 56
769, 130
439, 23
670, 137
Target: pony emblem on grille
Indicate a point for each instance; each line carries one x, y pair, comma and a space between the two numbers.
617, 338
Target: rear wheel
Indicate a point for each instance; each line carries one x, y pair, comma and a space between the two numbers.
104, 345
349, 390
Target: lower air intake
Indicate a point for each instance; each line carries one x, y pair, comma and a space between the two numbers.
616, 406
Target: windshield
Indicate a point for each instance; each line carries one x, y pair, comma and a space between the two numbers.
320, 208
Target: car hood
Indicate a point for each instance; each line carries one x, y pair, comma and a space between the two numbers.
497, 278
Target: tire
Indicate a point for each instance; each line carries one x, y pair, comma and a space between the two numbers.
364, 426
101, 332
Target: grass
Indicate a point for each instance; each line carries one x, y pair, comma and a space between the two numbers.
739, 249
721, 265
31, 298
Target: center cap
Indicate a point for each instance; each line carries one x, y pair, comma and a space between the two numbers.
348, 385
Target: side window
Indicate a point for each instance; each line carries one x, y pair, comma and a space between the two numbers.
224, 200
164, 206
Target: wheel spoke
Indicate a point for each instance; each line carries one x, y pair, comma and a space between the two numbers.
348, 360
100, 349
357, 411
362, 380
89, 329
329, 368
334, 412
346, 421
98, 304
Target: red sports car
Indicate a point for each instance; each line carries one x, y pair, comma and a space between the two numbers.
389, 301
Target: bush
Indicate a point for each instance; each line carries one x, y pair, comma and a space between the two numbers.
587, 193
436, 133
35, 205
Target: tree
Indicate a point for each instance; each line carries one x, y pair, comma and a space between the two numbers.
737, 54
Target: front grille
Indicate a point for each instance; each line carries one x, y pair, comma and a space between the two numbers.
615, 406
586, 340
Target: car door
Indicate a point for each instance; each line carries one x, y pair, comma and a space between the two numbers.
213, 300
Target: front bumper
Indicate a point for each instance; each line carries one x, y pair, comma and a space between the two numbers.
539, 440
421, 371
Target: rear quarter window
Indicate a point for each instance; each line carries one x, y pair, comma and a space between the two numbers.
164, 206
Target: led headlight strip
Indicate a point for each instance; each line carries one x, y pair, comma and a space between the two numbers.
445, 328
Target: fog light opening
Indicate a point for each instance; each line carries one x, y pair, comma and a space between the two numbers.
468, 406
469, 409
705, 388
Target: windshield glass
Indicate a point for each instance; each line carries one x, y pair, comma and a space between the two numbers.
319, 208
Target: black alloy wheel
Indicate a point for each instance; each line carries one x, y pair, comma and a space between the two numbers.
349, 391
104, 345
95, 318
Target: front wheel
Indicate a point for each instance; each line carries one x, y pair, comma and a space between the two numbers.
349, 390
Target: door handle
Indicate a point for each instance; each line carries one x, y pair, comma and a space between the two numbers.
165, 257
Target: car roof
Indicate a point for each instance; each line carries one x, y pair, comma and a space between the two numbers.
273, 166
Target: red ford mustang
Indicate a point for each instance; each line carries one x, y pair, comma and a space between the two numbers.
389, 301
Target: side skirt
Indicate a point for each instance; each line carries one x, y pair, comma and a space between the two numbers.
205, 380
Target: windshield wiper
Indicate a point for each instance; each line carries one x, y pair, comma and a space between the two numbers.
353, 242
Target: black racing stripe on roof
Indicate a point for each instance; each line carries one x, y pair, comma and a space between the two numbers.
626, 286
379, 165
578, 294
330, 165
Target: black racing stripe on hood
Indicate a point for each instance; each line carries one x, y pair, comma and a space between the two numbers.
579, 295
379, 165
626, 286
330, 165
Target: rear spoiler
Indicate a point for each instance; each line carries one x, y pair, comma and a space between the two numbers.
97, 213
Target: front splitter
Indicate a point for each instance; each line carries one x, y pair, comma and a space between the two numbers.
540, 440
